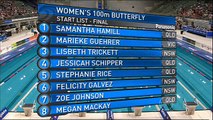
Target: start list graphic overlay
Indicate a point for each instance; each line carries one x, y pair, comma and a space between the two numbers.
94, 59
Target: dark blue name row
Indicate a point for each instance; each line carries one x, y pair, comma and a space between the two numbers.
103, 84
88, 41
77, 74
45, 99
79, 52
102, 31
79, 63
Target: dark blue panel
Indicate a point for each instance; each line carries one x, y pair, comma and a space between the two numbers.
3, 37
202, 32
7, 22
11, 54
3, 113
77, 52
65, 74
164, 114
199, 52
70, 63
64, 86
82, 41
58, 10
55, 98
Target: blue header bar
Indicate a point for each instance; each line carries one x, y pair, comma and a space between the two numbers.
69, 74
65, 86
103, 31
70, 11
